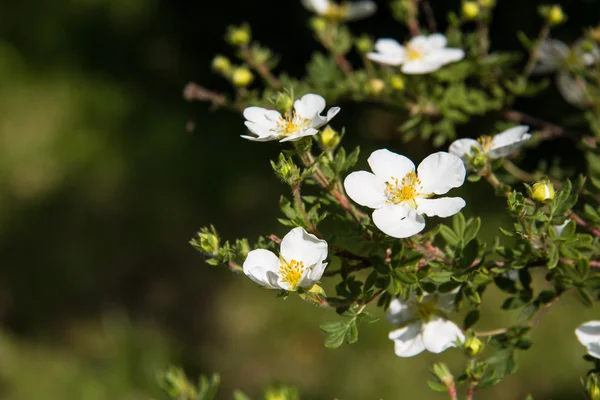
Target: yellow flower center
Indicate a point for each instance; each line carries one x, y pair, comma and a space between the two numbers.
291, 272
405, 190
290, 123
337, 11
485, 142
412, 53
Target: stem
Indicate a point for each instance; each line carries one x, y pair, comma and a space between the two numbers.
195, 92
549, 130
412, 19
533, 56
263, 70
471, 392
518, 173
431, 23
298, 198
584, 224
483, 32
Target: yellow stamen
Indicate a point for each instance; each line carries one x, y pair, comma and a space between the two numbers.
292, 272
412, 53
485, 142
403, 191
290, 123
337, 11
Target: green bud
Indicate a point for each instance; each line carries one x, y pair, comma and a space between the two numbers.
473, 346
238, 35
242, 77
397, 82
329, 138
470, 9
364, 44
479, 161
318, 24
554, 14
592, 387
441, 371
221, 64
209, 241
284, 102
286, 170
542, 191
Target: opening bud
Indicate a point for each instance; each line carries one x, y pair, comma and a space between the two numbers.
397, 82
592, 387
542, 191
238, 35
470, 9
242, 77
364, 44
555, 15
473, 346
329, 138
221, 64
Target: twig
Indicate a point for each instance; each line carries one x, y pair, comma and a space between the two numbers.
195, 92
584, 224
471, 392
298, 198
533, 56
262, 69
413, 18
549, 130
431, 23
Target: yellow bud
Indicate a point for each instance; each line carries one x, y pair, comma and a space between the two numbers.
318, 24
473, 346
397, 82
242, 77
376, 86
542, 191
329, 138
487, 3
238, 35
470, 9
555, 15
221, 64
364, 44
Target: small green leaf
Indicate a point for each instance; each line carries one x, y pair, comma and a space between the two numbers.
471, 319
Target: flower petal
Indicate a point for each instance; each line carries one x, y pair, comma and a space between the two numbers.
260, 265
319, 120
313, 275
418, 67
389, 52
302, 246
408, 341
439, 334
440, 172
508, 141
386, 164
463, 147
437, 41
449, 55
398, 221
445, 301
261, 138
400, 312
262, 117
571, 91
300, 134
360, 9
309, 105
588, 333
551, 54
442, 207
317, 6
365, 189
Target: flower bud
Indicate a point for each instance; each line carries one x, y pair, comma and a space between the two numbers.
396, 82
238, 35
329, 138
364, 44
479, 161
592, 387
375, 86
209, 241
318, 24
555, 15
542, 191
242, 77
221, 64
473, 346
284, 102
470, 9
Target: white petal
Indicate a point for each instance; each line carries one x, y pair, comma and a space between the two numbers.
508, 141
418, 67
446, 56
262, 117
570, 89
463, 147
261, 138
437, 41
365, 189
408, 341
360, 9
386, 164
588, 333
309, 105
319, 120
302, 246
421, 43
260, 265
445, 301
442, 207
318, 6
313, 275
300, 134
389, 46
398, 221
393, 59
389, 52
440, 172
551, 54
440, 334
399, 312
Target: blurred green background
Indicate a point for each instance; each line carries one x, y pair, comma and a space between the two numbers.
102, 186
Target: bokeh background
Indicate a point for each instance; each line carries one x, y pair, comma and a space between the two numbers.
102, 186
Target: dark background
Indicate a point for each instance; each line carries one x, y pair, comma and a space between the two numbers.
102, 186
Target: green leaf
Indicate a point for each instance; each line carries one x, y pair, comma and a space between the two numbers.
469, 254
585, 297
553, 256
238, 395
449, 236
458, 224
471, 318
438, 387
472, 229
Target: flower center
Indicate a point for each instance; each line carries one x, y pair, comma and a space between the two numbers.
290, 123
337, 11
426, 310
403, 191
485, 142
412, 53
292, 272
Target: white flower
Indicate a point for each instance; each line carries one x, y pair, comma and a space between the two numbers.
588, 335
401, 195
347, 11
421, 55
303, 121
496, 146
300, 264
424, 325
